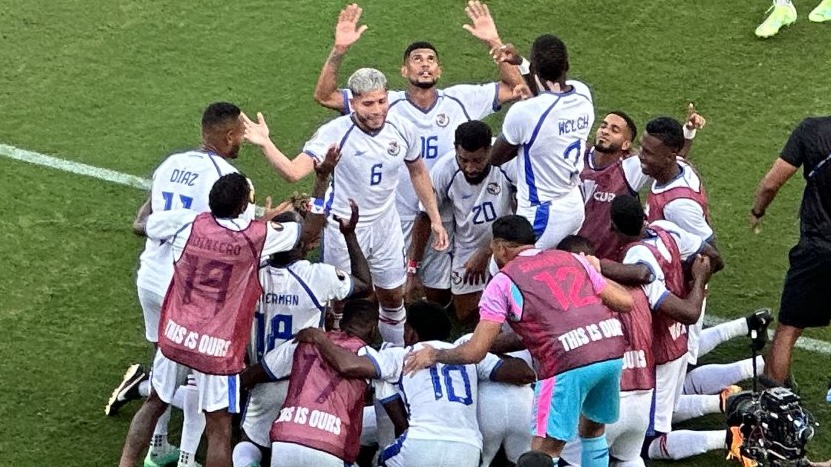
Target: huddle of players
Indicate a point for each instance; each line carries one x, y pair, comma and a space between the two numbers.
397, 169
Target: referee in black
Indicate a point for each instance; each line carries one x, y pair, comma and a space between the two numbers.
806, 297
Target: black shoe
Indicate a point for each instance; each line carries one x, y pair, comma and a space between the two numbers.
128, 390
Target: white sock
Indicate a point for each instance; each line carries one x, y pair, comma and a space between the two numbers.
144, 388
178, 400
716, 335
782, 2
694, 406
246, 453
194, 423
711, 379
159, 441
685, 443
186, 459
391, 324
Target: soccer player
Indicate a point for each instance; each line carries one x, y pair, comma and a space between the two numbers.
549, 133
434, 111
438, 427
182, 180
375, 145
560, 306
659, 250
805, 301
216, 256
783, 13
477, 193
295, 294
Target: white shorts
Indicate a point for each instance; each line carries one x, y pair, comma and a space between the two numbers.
458, 285
694, 335
669, 385
216, 392
504, 412
151, 307
382, 243
295, 455
264, 403
369, 428
435, 265
557, 219
429, 453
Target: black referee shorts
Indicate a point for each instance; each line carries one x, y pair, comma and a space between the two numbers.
806, 297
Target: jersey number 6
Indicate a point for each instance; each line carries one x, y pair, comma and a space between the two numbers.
375, 174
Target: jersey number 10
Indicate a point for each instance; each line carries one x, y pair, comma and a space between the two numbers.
446, 371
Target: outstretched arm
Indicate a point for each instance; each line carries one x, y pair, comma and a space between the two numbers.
472, 351
291, 170
361, 274
424, 191
347, 32
342, 360
693, 123
776, 177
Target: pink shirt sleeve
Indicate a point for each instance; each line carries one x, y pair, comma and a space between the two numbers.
597, 279
497, 302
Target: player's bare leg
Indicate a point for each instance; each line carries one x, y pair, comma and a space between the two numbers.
219, 438
552, 447
392, 314
778, 358
440, 296
141, 429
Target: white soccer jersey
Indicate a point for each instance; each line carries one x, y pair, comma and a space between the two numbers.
436, 128
688, 245
294, 297
441, 399
474, 207
183, 180
369, 164
685, 213
552, 129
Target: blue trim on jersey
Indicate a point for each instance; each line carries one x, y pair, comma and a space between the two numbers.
392, 450
464, 110
496, 105
173, 238
232, 394
268, 371
397, 130
428, 109
652, 276
533, 197
234, 223
541, 219
507, 177
389, 399
216, 166
396, 102
450, 185
346, 108
306, 288
375, 364
495, 368
661, 300
680, 174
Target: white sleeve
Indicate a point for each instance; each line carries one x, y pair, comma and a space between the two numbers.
688, 215
280, 237
317, 146
390, 363
165, 225
516, 125
488, 366
441, 176
688, 244
479, 100
277, 363
330, 283
385, 391
633, 173
408, 132
656, 291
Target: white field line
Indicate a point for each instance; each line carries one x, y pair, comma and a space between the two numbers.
805, 343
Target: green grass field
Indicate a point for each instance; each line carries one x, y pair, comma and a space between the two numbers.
120, 84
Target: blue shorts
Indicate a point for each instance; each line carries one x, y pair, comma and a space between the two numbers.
592, 391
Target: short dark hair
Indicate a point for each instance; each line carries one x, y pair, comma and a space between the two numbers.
228, 194
633, 130
419, 45
473, 135
429, 320
576, 244
668, 130
219, 114
514, 229
627, 215
549, 57
359, 313
534, 459
285, 257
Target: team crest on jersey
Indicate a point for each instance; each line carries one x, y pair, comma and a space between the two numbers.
494, 189
456, 278
394, 148
442, 120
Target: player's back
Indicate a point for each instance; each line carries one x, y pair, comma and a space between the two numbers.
182, 181
442, 401
552, 130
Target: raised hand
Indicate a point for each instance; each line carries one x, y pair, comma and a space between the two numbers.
506, 53
483, 27
256, 133
701, 268
347, 31
694, 120
269, 212
423, 358
325, 168
347, 226
476, 267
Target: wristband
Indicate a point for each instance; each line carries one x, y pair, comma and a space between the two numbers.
413, 267
756, 214
689, 134
525, 67
317, 206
